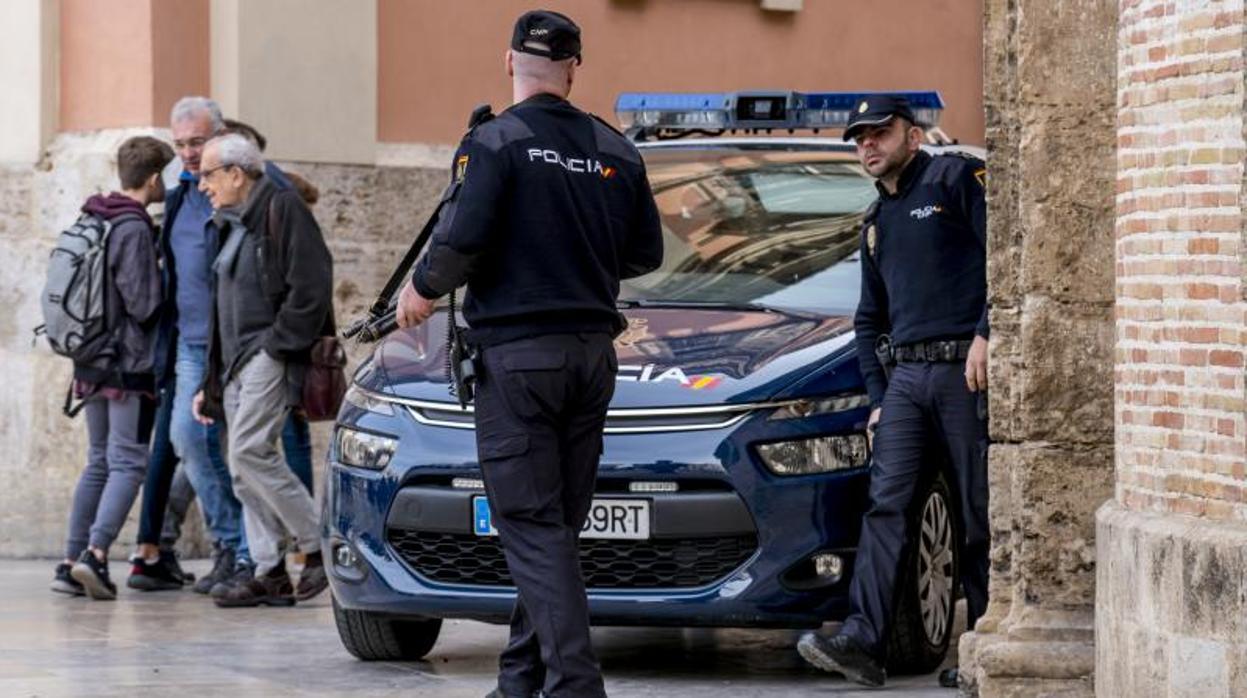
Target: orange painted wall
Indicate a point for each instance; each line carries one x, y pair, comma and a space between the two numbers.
181, 53
125, 62
438, 59
106, 64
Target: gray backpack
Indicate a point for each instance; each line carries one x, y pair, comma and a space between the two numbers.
74, 300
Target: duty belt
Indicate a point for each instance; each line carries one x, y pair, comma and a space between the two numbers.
935, 352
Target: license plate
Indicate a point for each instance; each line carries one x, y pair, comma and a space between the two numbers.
620, 519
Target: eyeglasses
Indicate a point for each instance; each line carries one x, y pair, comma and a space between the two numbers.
204, 174
192, 143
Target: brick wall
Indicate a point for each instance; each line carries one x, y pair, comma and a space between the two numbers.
1180, 310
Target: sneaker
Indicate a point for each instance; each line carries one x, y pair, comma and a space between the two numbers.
170, 558
273, 589
844, 655
312, 580
243, 572
93, 576
153, 576
64, 583
222, 568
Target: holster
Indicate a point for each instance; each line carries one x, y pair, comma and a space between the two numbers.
885, 352
461, 357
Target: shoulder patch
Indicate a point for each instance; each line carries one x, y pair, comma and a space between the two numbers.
610, 141
501, 130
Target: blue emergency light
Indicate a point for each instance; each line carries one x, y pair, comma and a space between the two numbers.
673, 114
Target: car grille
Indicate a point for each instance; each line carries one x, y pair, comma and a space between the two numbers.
661, 563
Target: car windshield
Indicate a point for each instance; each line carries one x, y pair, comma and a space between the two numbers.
775, 227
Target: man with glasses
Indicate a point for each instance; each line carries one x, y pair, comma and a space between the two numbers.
189, 244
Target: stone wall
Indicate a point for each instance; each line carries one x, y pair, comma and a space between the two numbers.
1050, 68
1172, 583
368, 214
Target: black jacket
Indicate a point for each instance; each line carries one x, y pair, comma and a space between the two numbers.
547, 209
277, 295
924, 261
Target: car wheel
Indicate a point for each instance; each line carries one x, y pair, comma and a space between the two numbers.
376, 637
923, 624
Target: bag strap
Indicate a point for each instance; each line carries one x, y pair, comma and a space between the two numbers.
69, 408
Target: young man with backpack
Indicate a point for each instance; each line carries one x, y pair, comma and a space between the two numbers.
113, 353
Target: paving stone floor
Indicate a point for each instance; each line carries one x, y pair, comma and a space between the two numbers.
177, 644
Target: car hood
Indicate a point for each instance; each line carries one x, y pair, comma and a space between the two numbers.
667, 358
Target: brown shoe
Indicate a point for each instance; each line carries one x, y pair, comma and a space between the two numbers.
273, 589
312, 580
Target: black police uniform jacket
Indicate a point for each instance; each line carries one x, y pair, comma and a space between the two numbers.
547, 210
924, 260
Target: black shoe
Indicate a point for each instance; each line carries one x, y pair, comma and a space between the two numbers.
312, 580
170, 558
844, 655
273, 589
153, 576
949, 678
243, 572
64, 583
93, 576
222, 569
497, 693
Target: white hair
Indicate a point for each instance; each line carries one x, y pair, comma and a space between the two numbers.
238, 150
194, 106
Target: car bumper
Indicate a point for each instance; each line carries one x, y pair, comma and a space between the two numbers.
792, 518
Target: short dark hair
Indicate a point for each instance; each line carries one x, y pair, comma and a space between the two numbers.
141, 157
247, 130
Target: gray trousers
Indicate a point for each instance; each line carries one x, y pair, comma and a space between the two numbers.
274, 502
117, 436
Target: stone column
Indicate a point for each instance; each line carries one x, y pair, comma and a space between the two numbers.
304, 72
1050, 102
28, 52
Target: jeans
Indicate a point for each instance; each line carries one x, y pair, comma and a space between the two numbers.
196, 446
117, 436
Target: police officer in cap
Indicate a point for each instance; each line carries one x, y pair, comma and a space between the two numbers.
923, 253
548, 208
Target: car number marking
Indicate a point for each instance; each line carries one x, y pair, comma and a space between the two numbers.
619, 519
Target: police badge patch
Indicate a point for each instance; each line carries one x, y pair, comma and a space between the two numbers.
872, 237
461, 168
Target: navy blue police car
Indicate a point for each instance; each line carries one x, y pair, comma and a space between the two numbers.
734, 473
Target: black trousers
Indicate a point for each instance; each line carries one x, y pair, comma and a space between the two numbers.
927, 408
540, 409
161, 464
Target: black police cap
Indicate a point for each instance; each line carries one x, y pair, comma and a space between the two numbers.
876, 110
548, 34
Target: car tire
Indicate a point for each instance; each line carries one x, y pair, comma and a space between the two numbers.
922, 626
376, 637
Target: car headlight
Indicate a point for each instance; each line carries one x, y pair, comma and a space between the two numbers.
366, 401
819, 455
362, 449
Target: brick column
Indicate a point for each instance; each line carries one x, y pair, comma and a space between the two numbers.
1172, 618
1050, 126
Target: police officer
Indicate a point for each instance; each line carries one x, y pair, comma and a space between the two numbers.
548, 208
923, 255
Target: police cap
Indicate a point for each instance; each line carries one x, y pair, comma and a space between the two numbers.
876, 110
546, 33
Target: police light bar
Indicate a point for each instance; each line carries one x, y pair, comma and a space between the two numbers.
680, 113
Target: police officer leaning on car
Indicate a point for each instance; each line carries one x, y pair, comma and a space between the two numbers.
548, 208
923, 253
